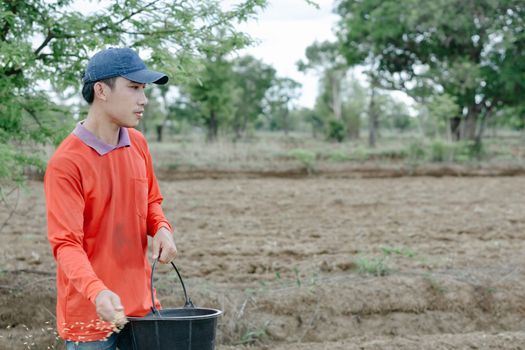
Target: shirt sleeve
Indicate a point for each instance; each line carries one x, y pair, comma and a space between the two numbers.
65, 217
156, 218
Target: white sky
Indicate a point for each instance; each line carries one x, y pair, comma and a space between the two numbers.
284, 30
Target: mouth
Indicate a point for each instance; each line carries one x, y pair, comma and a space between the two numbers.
139, 114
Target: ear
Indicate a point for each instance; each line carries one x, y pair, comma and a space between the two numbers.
100, 91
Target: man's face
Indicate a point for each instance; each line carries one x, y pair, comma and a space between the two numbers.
125, 102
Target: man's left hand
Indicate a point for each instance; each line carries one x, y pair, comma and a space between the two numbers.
163, 243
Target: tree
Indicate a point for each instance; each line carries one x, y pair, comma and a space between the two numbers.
278, 102
215, 91
253, 78
474, 51
44, 46
326, 58
354, 105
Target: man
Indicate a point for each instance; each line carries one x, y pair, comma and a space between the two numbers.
103, 201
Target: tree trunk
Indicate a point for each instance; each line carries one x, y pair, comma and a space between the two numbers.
335, 83
286, 123
482, 125
213, 126
372, 120
352, 128
159, 128
454, 130
468, 131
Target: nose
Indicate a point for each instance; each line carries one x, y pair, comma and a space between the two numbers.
143, 99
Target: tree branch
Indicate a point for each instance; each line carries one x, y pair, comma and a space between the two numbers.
46, 41
13, 209
124, 19
33, 115
7, 27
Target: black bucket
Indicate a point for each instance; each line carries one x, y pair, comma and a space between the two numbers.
186, 328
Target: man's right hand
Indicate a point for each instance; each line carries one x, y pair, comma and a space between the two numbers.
109, 307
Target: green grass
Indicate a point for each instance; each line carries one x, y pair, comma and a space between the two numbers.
372, 266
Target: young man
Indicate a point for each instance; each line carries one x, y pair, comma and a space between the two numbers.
103, 201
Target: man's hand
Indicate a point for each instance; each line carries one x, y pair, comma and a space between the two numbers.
163, 243
109, 307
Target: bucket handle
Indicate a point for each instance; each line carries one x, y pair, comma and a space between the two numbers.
187, 301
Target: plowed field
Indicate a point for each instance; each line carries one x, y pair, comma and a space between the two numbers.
315, 263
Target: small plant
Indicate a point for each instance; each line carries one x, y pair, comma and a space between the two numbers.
416, 152
378, 266
297, 276
305, 157
360, 153
467, 151
439, 151
339, 156
406, 252
374, 266
251, 336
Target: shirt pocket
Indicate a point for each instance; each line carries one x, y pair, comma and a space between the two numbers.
140, 190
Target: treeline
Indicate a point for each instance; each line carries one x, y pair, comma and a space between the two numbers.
462, 62
232, 95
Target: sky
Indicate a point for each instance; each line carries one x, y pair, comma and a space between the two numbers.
284, 30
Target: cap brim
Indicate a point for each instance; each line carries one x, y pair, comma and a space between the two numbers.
146, 76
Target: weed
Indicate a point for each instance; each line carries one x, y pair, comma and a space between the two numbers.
416, 152
253, 335
406, 252
374, 266
305, 157
339, 156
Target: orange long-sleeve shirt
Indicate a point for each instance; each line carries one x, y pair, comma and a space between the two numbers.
102, 202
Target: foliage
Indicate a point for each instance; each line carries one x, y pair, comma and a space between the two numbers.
305, 157
372, 266
252, 336
472, 51
45, 45
335, 130
324, 58
253, 79
379, 266
215, 91
278, 102
439, 150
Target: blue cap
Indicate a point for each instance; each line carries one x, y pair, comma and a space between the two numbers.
121, 62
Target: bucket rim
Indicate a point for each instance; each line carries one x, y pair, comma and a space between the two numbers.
215, 313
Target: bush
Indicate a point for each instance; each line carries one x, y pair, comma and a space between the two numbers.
439, 152
466, 151
339, 156
336, 131
416, 151
305, 157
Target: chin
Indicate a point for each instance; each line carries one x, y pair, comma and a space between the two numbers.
130, 124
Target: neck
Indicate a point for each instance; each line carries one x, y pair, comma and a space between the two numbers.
101, 127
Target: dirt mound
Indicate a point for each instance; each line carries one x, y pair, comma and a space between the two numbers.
348, 171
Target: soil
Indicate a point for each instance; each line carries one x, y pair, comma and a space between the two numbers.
314, 262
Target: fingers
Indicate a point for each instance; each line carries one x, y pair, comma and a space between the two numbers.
115, 301
108, 305
168, 253
163, 246
156, 249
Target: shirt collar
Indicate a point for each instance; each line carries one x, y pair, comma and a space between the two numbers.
98, 145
